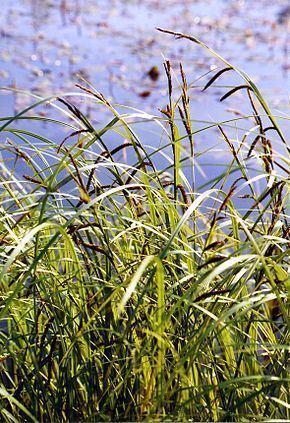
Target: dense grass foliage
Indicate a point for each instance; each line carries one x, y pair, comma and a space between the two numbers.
130, 290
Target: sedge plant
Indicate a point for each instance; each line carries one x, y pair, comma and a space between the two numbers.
132, 290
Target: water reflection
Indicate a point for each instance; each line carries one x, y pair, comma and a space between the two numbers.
49, 45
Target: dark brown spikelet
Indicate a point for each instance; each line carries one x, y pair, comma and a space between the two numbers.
105, 154
84, 196
31, 179
91, 246
19, 153
214, 245
277, 208
72, 108
183, 76
73, 134
266, 194
229, 143
211, 294
245, 196
183, 193
74, 228
217, 258
256, 113
167, 67
133, 173
77, 113
185, 110
184, 83
269, 128
215, 77
275, 309
235, 89
268, 154
166, 112
229, 194
99, 96
178, 35
185, 122
180, 188
120, 147
253, 145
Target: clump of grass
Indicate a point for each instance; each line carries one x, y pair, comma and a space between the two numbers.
128, 291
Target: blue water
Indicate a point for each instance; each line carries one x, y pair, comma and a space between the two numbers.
47, 46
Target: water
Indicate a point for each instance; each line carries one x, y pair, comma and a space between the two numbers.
47, 46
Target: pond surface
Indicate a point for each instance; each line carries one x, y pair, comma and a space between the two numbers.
47, 46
